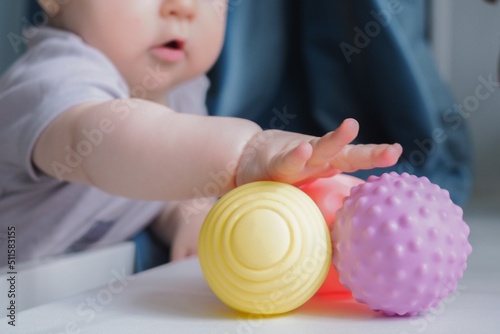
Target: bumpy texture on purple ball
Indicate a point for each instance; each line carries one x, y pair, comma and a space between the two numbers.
400, 243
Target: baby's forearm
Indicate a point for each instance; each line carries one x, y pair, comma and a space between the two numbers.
140, 149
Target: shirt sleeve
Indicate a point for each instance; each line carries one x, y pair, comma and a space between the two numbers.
58, 72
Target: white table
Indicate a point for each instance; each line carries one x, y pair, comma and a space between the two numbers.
175, 299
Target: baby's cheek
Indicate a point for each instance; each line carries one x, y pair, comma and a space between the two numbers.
210, 33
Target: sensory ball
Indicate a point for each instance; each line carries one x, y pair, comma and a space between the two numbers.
400, 244
328, 194
264, 248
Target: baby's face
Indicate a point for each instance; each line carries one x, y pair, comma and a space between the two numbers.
155, 44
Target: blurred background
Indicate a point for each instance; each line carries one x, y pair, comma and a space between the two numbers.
465, 37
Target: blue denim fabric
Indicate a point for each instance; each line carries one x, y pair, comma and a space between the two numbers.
283, 66
14, 15
149, 251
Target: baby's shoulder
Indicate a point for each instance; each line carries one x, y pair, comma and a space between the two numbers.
58, 60
52, 52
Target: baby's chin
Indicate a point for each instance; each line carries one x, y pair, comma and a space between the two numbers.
160, 98
151, 89
157, 80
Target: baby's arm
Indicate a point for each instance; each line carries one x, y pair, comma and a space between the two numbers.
151, 152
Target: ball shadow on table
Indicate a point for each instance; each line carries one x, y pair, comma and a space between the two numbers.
330, 305
186, 296
190, 297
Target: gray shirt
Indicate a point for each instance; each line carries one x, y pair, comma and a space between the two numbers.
53, 217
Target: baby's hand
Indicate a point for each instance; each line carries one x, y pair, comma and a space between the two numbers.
293, 158
179, 226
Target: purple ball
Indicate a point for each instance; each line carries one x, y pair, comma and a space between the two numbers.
400, 243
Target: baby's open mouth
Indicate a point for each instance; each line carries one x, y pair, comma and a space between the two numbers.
172, 51
175, 45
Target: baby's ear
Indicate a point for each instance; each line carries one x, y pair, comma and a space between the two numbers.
51, 7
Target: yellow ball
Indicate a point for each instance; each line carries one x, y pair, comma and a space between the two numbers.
264, 248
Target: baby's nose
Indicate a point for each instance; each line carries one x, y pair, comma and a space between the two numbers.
180, 8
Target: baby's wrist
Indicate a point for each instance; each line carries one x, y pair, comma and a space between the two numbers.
252, 164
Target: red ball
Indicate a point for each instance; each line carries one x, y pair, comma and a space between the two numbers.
329, 194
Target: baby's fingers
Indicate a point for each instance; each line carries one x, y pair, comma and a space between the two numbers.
292, 162
328, 146
355, 157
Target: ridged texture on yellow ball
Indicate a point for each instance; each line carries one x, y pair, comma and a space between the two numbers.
264, 248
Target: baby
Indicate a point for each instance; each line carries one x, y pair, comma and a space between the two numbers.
91, 152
